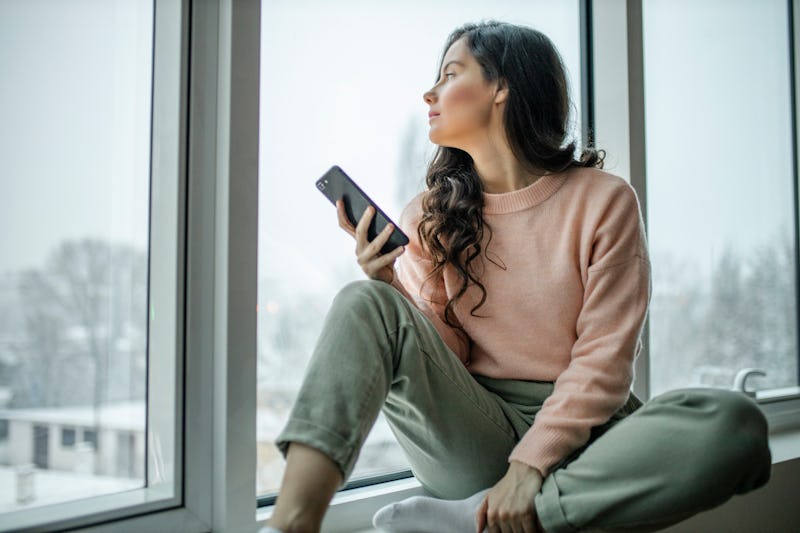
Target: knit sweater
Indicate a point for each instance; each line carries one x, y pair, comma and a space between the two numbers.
567, 277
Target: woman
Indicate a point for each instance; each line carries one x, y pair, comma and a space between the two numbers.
501, 348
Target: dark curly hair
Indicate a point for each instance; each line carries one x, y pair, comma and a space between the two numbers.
536, 120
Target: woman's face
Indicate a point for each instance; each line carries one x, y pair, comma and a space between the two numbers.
462, 103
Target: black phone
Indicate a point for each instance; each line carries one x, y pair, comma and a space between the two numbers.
335, 184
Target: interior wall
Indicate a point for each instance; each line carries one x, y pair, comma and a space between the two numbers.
774, 508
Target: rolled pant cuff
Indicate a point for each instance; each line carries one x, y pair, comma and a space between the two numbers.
548, 508
336, 447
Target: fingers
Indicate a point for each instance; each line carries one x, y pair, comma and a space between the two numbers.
372, 249
344, 223
362, 226
480, 517
381, 266
374, 265
510, 527
497, 521
529, 526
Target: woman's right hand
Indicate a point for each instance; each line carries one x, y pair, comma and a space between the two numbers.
374, 265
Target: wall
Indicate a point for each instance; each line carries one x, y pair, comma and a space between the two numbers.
773, 508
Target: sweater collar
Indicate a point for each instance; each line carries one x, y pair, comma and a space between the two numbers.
530, 196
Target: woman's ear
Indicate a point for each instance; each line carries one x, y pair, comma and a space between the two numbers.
501, 93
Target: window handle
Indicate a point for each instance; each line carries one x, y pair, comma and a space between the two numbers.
740, 381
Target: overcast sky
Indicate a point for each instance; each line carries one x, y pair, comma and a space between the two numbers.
342, 83
74, 135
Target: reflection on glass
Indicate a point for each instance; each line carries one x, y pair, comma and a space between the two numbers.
720, 186
342, 83
75, 102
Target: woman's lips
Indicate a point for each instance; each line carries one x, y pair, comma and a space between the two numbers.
432, 115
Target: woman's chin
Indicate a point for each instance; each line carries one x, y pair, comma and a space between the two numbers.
439, 140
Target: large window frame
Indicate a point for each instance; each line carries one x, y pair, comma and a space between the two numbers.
612, 86
202, 284
212, 151
618, 91
217, 159
163, 457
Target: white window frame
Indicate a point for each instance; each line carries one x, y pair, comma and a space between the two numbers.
165, 306
215, 151
618, 58
616, 76
202, 363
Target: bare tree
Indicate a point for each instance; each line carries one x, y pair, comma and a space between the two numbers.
82, 310
40, 355
703, 333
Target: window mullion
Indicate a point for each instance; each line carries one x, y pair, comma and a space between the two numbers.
618, 91
222, 256
793, 21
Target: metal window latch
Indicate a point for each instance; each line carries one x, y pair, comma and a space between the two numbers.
740, 380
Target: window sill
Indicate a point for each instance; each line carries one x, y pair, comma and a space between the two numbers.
352, 510
781, 407
785, 445
77, 513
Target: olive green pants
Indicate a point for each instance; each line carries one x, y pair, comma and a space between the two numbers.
649, 466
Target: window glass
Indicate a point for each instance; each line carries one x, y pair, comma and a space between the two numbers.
67, 437
720, 193
342, 83
74, 196
90, 438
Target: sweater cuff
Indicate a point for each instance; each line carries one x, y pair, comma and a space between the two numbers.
540, 449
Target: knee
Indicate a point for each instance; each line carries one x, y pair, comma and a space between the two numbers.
370, 300
737, 414
367, 292
726, 407
735, 428
747, 437
729, 418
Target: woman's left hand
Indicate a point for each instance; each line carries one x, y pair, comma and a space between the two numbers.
509, 505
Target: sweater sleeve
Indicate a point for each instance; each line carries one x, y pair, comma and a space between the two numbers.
428, 294
597, 381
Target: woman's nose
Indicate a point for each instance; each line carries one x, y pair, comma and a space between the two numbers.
429, 97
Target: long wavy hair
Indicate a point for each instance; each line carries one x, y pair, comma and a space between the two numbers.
536, 121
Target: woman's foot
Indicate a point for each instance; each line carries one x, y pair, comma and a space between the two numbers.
420, 514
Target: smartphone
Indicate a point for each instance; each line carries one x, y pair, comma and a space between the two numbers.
336, 185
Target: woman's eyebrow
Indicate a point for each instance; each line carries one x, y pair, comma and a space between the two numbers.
452, 62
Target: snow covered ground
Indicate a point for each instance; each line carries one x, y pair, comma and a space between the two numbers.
52, 486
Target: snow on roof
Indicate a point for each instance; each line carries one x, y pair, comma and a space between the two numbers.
125, 416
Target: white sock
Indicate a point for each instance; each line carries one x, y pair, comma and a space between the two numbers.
267, 529
420, 514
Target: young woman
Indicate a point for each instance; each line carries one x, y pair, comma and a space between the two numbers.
500, 342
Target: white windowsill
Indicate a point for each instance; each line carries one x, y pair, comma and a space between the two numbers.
75, 513
352, 510
785, 445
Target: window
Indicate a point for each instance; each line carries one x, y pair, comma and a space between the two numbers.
88, 310
352, 98
90, 437
720, 190
212, 137
67, 437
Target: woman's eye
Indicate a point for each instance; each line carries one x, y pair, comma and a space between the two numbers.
449, 74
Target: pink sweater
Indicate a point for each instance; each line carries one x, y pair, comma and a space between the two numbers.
568, 307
